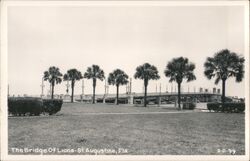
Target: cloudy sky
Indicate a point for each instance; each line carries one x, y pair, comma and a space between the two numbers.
118, 37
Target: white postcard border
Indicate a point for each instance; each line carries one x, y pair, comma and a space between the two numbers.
4, 76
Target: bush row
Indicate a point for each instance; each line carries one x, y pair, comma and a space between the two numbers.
231, 107
33, 106
52, 106
21, 106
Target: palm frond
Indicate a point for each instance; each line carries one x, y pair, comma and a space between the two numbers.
118, 77
53, 75
178, 69
73, 75
223, 65
94, 72
146, 72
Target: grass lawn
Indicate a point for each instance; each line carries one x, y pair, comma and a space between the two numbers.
142, 131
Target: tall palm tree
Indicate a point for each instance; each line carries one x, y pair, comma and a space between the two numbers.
179, 69
72, 75
223, 65
117, 78
146, 72
94, 72
53, 75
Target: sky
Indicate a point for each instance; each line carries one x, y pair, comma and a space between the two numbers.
118, 37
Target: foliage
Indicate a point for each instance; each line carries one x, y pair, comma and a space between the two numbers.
72, 75
27, 105
179, 69
231, 107
53, 75
118, 77
52, 106
223, 65
146, 72
94, 72
33, 106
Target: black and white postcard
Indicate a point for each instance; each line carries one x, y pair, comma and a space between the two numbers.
124, 80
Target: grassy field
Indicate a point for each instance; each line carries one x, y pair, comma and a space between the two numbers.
128, 131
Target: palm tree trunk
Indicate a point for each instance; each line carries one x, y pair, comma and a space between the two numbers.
93, 100
94, 85
52, 92
145, 96
117, 95
72, 92
223, 98
179, 96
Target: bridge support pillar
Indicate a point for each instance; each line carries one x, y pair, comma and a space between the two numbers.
159, 101
116, 101
131, 100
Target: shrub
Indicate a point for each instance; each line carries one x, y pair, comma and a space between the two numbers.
228, 107
52, 106
214, 107
189, 105
33, 106
25, 105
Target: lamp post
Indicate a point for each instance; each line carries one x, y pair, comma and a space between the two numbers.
159, 101
8, 90
42, 87
106, 88
82, 90
130, 86
67, 90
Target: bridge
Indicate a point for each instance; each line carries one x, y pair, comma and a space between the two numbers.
156, 98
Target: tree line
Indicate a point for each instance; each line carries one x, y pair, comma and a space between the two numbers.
221, 66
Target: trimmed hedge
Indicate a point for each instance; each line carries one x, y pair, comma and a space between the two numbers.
27, 105
33, 106
52, 106
231, 107
189, 105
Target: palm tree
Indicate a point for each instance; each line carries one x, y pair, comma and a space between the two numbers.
94, 72
72, 75
117, 78
179, 69
53, 75
146, 72
223, 65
